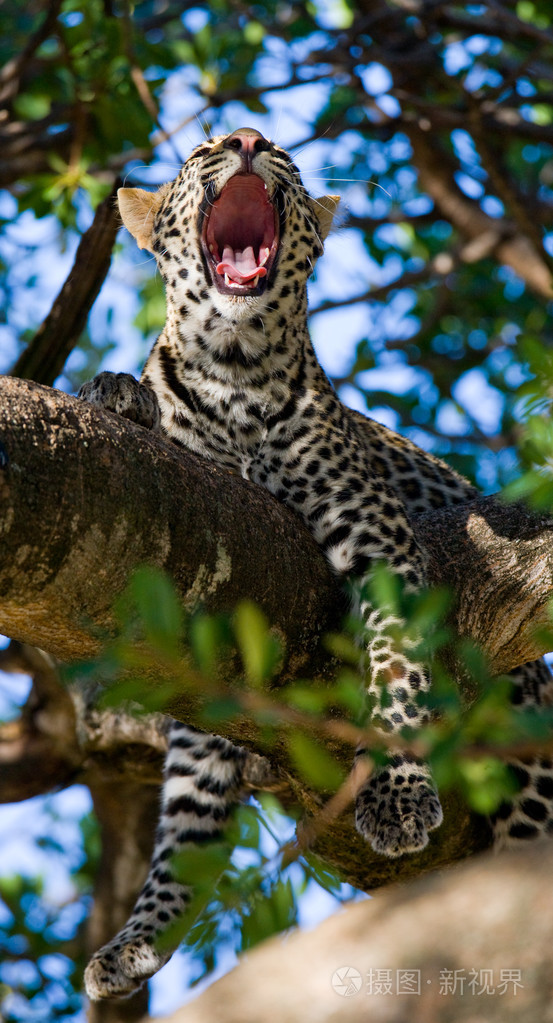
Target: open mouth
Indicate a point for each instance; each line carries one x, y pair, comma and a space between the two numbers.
240, 236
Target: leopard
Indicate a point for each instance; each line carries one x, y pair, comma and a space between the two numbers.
234, 379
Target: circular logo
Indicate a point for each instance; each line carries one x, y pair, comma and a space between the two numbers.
346, 981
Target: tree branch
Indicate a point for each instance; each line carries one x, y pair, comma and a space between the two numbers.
47, 353
85, 497
67, 466
495, 914
61, 737
101, 508
38, 750
509, 247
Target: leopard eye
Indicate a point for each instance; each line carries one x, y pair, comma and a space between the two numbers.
198, 153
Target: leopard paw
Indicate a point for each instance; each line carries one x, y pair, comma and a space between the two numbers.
397, 808
119, 969
121, 393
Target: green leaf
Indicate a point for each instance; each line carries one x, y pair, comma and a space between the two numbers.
32, 107
259, 649
254, 32
313, 762
151, 596
486, 782
344, 647
317, 869
385, 588
309, 698
244, 829
206, 637
201, 865
269, 914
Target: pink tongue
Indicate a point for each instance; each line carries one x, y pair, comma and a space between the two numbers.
240, 265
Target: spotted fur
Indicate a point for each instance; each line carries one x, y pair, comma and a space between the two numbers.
234, 378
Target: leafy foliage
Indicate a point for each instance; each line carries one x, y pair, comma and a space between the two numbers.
262, 875
41, 955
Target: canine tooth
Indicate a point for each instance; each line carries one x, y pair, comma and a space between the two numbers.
227, 281
255, 280
211, 248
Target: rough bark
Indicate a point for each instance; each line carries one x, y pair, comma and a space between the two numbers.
498, 560
85, 497
494, 914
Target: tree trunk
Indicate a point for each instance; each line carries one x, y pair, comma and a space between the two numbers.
127, 814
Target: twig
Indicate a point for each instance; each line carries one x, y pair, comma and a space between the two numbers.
309, 830
441, 264
140, 83
503, 185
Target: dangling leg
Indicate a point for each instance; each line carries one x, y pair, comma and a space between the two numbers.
529, 813
202, 781
399, 804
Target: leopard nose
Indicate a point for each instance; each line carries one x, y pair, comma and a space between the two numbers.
247, 142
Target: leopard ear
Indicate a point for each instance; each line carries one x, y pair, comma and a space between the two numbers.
138, 209
325, 207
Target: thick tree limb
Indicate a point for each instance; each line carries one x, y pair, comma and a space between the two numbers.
85, 497
495, 914
498, 559
38, 750
61, 736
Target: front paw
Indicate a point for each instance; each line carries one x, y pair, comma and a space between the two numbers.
121, 393
397, 808
120, 968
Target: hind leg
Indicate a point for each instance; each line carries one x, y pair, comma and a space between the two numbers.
529, 813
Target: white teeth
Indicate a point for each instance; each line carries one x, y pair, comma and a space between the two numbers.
211, 248
255, 280
229, 283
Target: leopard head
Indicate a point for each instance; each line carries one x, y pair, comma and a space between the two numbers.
236, 225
